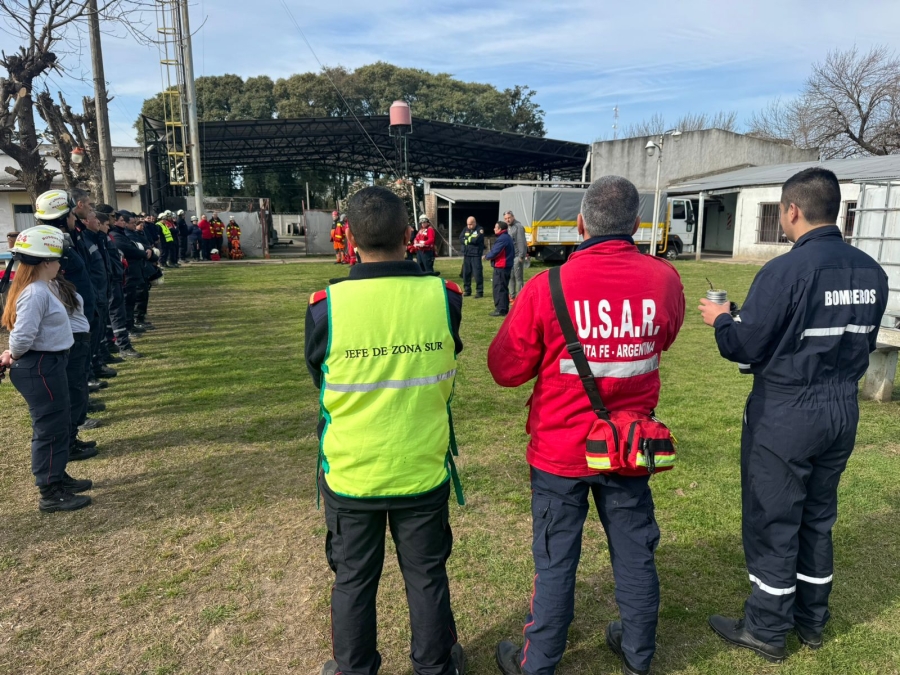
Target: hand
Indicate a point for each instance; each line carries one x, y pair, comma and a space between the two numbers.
710, 311
149, 255
6, 359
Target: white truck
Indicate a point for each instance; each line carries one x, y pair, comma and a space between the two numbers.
549, 216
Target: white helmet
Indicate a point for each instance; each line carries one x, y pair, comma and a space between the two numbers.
193, 219
40, 243
180, 212
156, 252
52, 205
215, 250
423, 218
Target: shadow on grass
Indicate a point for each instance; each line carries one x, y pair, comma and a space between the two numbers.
699, 578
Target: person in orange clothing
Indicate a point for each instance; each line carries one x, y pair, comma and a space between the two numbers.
233, 233
218, 230
337, 237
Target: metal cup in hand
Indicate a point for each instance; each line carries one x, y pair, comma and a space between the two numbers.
718, 297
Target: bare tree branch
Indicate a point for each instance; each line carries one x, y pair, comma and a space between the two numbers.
849, 106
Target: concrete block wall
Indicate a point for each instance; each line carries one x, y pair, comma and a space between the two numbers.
697, 153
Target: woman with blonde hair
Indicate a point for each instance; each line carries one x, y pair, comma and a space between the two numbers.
37, 317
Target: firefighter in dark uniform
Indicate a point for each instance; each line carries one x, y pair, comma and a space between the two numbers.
135, 255
807, 327
118, 312
377, 467
472, 240
150, 270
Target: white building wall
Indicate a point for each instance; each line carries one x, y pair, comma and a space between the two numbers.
746, 246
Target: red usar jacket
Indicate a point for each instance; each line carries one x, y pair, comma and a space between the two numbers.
627, 308
205, 229
426, 236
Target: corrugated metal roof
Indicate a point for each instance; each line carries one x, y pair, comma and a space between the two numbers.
875, 168
462, 195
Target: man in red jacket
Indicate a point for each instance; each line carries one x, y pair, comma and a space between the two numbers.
627, 309
207, 237
424, 244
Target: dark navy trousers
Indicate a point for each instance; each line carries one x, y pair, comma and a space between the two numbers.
501, 289
77, 379
559, 507
41, 379
794, 447
472, 268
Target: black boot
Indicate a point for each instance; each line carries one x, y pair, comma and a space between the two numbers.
74, 485
129, 352
614, 642
808, 637
56, 498
105, 372
508, 657
84, 444
458, 657
78, 453
735, 632
330, 668
113, 359
95, 406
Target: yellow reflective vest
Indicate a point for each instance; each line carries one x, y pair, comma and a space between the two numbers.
387, 383
166, 233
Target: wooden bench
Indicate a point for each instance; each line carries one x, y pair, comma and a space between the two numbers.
879, 382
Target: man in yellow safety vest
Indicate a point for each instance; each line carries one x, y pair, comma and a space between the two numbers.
386, 441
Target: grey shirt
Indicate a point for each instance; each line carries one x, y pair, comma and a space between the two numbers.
42, 323
517, 232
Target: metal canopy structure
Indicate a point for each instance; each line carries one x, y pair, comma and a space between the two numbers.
363, 145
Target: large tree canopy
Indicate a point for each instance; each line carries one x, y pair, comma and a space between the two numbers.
368, 90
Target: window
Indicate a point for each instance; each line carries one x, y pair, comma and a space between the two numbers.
769, 229
849, 219
678, 212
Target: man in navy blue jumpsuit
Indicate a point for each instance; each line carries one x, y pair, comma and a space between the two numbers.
807, 328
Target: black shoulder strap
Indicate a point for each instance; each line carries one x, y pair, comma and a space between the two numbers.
5, 281
573, 346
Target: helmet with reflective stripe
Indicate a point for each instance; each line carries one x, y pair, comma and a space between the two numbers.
424, 219
53, 205
35, 244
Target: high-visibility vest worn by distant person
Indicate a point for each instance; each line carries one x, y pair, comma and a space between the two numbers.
166, 233
387, 382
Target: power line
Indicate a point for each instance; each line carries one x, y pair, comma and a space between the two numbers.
340, 95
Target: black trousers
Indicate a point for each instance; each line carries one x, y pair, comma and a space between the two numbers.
141, 301
354, 546
472, 268
118, 316
183, 248
173, 251
793, 452
131, 295
98, 331
501, 289
425, 260
77, 379
206, 245
41, 379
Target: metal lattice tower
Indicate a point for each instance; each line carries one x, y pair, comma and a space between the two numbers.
169, 27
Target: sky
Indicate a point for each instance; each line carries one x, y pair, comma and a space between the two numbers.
583, 57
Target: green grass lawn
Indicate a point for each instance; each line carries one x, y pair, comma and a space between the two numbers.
204, 552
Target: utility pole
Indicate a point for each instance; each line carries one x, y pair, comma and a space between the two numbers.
107, 171
191, 96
